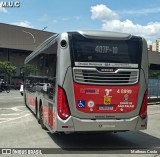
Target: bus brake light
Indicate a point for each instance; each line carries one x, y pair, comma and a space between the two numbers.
143, 111
63, 108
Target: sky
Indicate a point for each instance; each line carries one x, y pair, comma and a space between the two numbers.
138, 17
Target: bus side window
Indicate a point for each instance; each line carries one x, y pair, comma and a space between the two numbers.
51, 75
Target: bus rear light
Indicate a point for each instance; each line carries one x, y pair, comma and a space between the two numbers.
143, 111
63, 108
143, 125
64, 126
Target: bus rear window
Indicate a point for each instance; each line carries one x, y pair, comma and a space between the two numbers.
106, 51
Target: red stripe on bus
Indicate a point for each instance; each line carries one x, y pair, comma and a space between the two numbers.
49, 116
31, 101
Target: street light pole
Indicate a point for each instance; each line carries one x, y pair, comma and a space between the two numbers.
34, 39
41, 30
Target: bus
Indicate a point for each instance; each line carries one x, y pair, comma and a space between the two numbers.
88, 81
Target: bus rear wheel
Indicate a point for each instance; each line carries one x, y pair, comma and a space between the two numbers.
7, 89
37, 114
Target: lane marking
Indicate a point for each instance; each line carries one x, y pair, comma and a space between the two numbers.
10, 114
15, 118
13, 114
9, 101
10, 97
20, 106
5, 108
6, 118
12, 108
15, 109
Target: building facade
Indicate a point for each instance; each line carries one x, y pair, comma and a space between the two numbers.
16, 43
156, 45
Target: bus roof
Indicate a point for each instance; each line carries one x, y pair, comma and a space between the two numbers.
105, 34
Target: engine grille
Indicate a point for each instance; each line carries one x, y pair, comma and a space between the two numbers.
93, 76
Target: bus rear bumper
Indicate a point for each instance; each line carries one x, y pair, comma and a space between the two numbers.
86, 125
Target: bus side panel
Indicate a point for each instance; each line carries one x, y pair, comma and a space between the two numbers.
63, 60
63, 64
30, 100
49, 111
143, 85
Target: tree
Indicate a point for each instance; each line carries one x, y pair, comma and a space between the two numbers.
7, 69
155, 74
30, 69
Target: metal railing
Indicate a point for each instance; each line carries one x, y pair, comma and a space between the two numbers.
154, 89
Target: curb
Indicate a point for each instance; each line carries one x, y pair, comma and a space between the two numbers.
154, 101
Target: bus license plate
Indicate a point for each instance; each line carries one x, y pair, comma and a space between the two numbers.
104, 107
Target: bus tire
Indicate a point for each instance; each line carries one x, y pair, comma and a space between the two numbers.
25, 101
7, 89
41, 117
37, 114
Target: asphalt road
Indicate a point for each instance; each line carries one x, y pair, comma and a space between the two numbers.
19, 129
